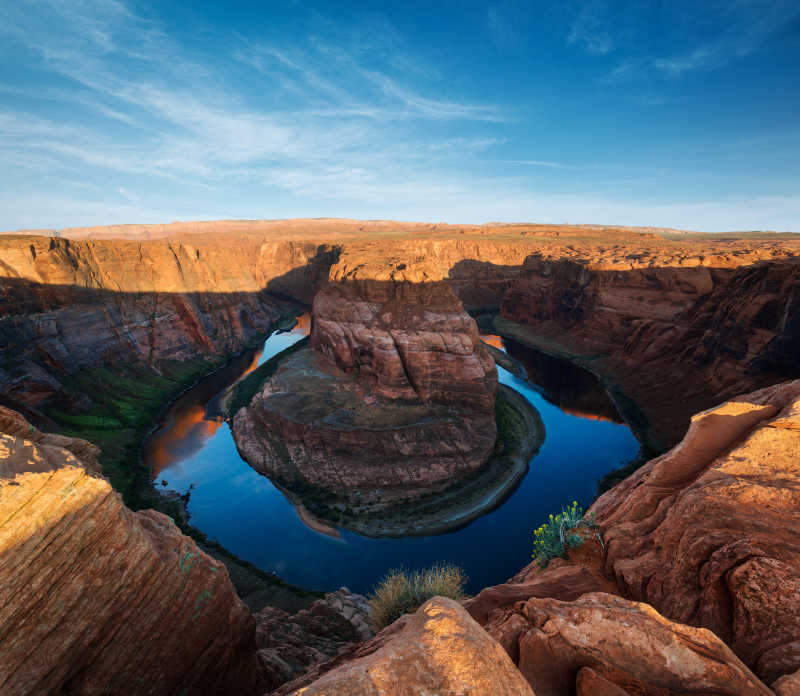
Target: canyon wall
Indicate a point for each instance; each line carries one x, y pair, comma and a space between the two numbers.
65, 305
98, 599
670, 324
706, 535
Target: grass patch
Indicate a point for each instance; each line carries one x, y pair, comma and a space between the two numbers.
245, 390
511, 427
126, 400
559, 534
401, 592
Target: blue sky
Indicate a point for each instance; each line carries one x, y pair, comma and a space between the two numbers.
683, 114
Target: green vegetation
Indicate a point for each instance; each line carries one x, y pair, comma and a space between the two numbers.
245, 390
559, 534
511, 427
126, 400
402, 593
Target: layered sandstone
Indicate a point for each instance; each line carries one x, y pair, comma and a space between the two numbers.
394, 400
66, 305
98, 599
437, 650
705, 534
670, 322
405, 340
601, 644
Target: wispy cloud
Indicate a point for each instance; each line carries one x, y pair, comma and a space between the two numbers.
592, 27
738, 29
540, 163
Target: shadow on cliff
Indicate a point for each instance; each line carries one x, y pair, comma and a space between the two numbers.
666, 342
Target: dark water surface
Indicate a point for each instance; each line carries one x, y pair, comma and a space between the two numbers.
243, 511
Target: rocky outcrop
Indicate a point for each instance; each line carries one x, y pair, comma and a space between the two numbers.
289, 645
405, 340
601, 644
437, 650
705, 534
98, 599
394, 401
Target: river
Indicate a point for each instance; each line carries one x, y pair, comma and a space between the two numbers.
242, 510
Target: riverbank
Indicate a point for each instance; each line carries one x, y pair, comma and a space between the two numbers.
521, 433
127, 404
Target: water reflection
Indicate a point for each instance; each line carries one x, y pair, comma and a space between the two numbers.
245, 512
574, 390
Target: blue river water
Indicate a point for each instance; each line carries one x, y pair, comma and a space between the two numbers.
242, 510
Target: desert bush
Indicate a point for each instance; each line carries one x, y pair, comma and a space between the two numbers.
401, 592
559, 534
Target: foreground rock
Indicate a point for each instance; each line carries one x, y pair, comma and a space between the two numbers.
438, 650
97, 599
289, 645
602, 644
706, 534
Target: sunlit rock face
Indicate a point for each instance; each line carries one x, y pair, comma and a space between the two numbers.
101, 600
437, 650
705, 534
394, 400
405, 341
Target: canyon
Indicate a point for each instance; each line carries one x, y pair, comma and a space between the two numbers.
688, 583
392, 402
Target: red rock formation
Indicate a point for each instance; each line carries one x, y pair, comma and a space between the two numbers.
97, 599
405, 341
621, 302
437, 650
394, 400
712, 332
707, 533
66, 304
412, 412
603, 644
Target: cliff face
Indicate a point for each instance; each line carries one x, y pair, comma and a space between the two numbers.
669, 323
705, 535
673, 340
65, 305
405, 341
98, 599
394, 400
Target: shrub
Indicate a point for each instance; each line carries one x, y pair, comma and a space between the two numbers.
558, 534
401, 592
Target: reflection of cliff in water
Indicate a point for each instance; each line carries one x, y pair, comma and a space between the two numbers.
574, 390
189, 423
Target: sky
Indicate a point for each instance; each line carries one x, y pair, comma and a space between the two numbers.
663, 113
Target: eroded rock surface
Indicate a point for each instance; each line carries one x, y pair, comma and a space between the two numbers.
602, 644
705, 534
97, 599
437, 650
395, 399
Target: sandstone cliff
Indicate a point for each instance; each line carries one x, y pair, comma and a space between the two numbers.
671, 323
395, 399
706, 534
98, 599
